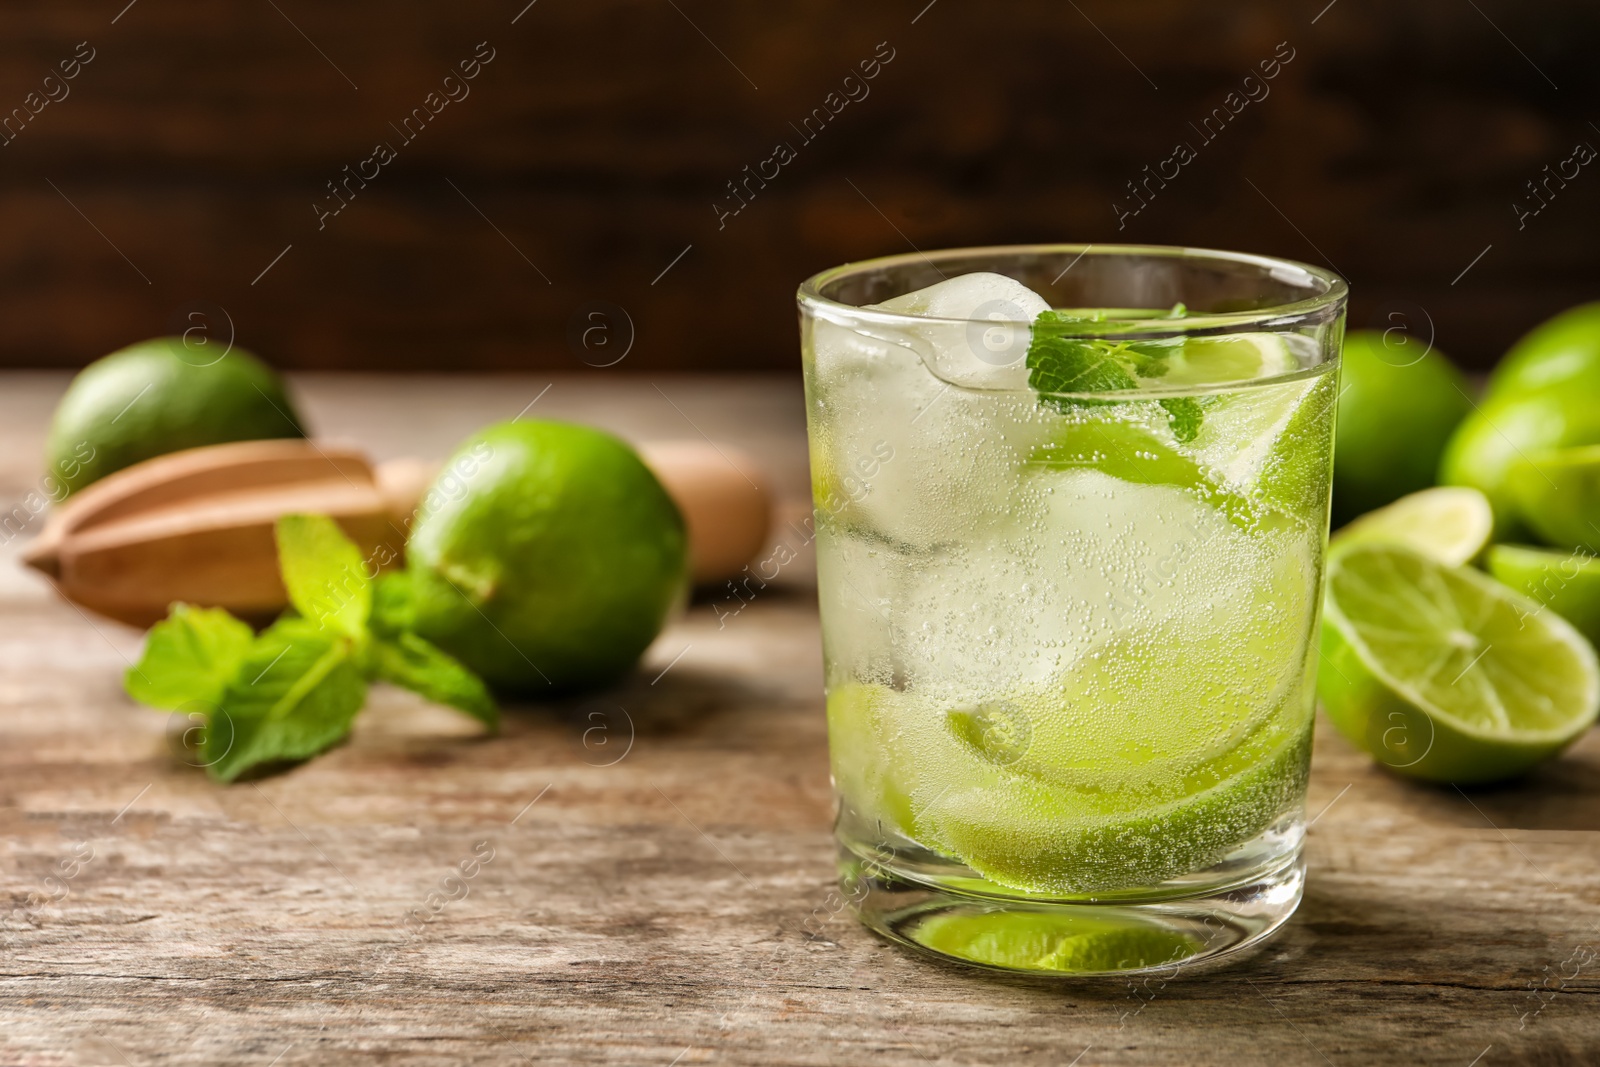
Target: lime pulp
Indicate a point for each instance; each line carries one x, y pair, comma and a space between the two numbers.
1445, 674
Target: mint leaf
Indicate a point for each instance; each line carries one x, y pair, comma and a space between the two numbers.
1149, 358
324, 573
1062, 364
295, 693
189, 658
392, 610
1058, 361
1185, 416
422, 667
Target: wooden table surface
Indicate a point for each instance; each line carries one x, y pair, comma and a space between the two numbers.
649, 863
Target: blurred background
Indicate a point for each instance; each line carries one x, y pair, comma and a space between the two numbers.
478, 185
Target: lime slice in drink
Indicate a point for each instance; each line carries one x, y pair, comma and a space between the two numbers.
1248, 453
1568, 583
1231, 358
1052, 943
1029, 834
1145, 707
1558, 495
869, 771
1448, 523
950, 780
1293, 476
1125, 444
1443, 673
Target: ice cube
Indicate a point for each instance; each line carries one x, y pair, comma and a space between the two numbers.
899, 450
859, 582
987, 348
839, 350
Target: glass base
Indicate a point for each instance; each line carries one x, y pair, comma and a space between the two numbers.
1001, 932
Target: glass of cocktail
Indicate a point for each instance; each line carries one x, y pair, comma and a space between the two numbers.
1071, 512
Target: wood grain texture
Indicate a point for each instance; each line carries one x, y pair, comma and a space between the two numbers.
591, 150
653, 910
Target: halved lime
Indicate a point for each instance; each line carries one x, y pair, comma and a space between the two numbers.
1053, 943
1568, 583
1558, 495
1448, 523
1445, 674
1231, 358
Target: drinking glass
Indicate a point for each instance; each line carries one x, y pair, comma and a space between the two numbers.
1069, 571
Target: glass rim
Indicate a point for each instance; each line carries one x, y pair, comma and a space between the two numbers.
1335, 293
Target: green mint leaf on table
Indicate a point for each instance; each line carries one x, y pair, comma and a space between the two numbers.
324, 573
402, 658
294, 690
415, 664
392, 607
295, 694
189, 658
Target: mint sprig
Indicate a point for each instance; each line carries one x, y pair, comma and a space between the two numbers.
296, 694
189, 659
295, 689
422, 667
323, 573
1061, 360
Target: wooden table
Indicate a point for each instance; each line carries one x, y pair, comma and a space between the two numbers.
647, 861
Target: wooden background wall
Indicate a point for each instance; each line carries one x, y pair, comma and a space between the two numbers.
188, 154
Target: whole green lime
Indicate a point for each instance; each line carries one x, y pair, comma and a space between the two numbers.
161, 396
1398, 403
546, 557
1491, 450
1562, 352
1545, 394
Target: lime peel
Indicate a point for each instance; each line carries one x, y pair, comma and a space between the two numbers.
1449, 523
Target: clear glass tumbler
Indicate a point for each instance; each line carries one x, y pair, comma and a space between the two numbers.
1071, 513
